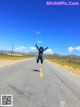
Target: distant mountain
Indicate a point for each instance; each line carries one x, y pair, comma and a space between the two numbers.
54, 55
13, 52
72, 58
5, 51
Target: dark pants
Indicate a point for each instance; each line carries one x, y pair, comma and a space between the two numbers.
40, 58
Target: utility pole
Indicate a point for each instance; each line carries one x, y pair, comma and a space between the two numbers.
70, 58
12, 50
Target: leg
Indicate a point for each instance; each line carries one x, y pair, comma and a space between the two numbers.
38, 59
41, 60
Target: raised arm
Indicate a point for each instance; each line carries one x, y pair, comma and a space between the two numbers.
45, 48
36, 46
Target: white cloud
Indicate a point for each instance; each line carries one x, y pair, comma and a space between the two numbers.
70, 49
33, 48
49, 51
77, 48
25, 49
20, 48
37, 32
39, 41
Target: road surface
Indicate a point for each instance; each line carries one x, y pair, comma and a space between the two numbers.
36, 85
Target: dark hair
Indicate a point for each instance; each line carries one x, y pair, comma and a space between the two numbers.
41, 48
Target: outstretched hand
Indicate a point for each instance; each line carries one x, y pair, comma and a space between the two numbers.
36, 46
45, 48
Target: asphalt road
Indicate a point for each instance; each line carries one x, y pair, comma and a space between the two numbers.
36, 85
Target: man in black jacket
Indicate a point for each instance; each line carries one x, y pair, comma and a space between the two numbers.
40, 50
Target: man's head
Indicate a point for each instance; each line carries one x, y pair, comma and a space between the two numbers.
41, 49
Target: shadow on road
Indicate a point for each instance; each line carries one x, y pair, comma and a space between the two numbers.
36, 70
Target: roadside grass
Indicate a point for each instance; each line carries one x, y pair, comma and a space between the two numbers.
72, 67
14, 56
66, 63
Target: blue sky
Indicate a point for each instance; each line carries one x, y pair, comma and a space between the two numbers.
26, 22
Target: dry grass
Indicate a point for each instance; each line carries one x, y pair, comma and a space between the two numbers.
7, 59
71, 67
13, 56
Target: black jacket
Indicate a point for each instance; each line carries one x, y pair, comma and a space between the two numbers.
41, 50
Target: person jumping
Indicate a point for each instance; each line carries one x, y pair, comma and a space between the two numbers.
40, 50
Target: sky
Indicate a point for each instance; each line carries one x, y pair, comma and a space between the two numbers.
24, 23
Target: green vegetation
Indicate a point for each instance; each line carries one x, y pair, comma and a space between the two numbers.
67, 61
14, 56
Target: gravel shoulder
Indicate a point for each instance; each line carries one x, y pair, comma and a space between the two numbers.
4, 62
71, 70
